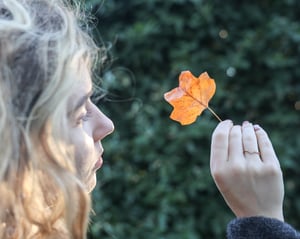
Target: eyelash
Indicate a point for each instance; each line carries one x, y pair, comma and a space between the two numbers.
85, 117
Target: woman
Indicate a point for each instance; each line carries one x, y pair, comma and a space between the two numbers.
51, 131
51, 135
247, 173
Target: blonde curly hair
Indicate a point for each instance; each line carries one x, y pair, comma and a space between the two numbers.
41, 196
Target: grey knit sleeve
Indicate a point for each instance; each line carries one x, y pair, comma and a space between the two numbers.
260, 228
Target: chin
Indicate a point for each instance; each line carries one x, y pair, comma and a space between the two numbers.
91, 184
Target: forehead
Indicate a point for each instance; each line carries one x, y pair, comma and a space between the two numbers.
80, 73
82, 87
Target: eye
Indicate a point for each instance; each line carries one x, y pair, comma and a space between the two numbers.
86, 116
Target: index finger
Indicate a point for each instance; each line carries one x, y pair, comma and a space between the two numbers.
219, 143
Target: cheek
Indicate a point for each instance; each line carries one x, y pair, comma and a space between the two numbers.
84, 156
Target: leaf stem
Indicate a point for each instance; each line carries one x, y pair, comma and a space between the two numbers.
206, 106
214, 113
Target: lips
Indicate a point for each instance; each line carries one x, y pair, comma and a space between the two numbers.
98, 164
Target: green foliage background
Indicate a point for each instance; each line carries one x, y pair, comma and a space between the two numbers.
155, 182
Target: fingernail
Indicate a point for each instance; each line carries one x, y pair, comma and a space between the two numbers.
256, 127
245, 122
228, 121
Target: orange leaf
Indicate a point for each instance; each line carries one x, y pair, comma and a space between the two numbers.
191, 97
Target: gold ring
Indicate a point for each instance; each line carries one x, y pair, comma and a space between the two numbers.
248, 152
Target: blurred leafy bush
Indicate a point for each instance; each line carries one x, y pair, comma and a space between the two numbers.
155, 182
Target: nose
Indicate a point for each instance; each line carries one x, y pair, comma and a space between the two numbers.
103, 125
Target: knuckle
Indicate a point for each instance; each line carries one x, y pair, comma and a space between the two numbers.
237, 170
234, 171
218, 173
266, 143
235, 132
269, 171
218, 176
248, 138
255, 170
273, 170
220, 136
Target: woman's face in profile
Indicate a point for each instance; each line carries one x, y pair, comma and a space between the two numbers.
88, 126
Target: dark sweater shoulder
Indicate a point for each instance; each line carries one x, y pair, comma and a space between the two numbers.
260, 228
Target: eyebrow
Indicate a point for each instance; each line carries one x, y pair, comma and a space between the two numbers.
82, 100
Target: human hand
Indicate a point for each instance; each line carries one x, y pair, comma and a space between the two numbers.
246, 170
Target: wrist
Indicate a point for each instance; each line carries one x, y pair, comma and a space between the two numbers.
274, 215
